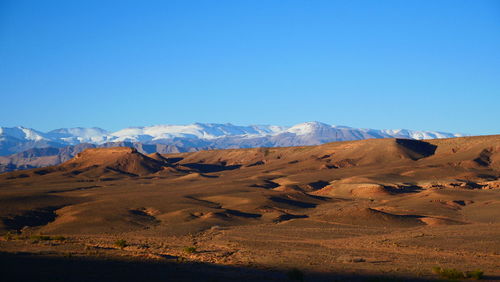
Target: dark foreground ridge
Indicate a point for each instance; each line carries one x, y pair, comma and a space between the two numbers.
30, 267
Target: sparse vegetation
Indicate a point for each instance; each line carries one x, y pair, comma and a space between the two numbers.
121, 243
295, 274
41, 237
475, 274
10, 236
190, 249
59, 238
454, 274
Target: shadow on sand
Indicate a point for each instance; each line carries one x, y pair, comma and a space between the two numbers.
29, 267
207, 168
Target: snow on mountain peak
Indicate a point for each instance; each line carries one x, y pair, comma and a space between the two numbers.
205, 131
22, 133
78, 135
419, 135
213, 134
307, 128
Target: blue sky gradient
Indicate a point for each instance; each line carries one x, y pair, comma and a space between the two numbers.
425, 65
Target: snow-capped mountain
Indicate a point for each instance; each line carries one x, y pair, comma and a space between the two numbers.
419, 135
193, 131
18, 139
21, 133
79, 135
201, 136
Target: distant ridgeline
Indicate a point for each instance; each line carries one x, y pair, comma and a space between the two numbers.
23, 148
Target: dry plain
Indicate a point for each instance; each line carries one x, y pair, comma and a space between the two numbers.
370, 210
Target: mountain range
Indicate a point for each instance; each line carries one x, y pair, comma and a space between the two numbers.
22, 147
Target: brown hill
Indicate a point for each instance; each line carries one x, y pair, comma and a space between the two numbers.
99, 163
122, 160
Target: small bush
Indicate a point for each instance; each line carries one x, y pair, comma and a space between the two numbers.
9, 236
121, 243
475, 274
295, 274
190, 250
448, 273
454, 274
40, 238
59, 238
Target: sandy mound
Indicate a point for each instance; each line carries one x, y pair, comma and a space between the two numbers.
345, 188
184, 175
369, 191
283, 181
288, 188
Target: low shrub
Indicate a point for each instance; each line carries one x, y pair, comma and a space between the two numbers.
475, 274
121, 243
454, 274
40, 238
190, 250
59, 238
10, 236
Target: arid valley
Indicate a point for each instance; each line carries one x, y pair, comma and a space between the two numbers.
369, 210
249, 141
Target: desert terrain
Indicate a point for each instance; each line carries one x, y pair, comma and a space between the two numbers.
369, 210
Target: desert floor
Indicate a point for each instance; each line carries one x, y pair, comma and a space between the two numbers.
371, 210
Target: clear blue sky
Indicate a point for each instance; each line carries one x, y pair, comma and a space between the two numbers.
431, 65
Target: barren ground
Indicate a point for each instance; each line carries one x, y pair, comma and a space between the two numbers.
376, 210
